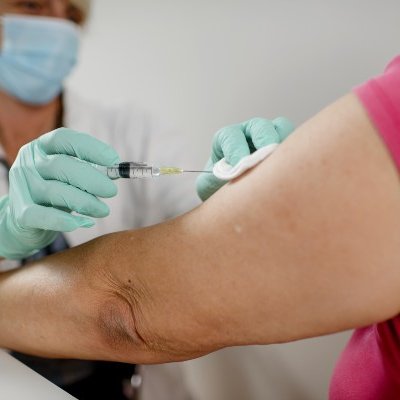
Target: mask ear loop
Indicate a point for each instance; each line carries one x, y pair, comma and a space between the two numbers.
1, 34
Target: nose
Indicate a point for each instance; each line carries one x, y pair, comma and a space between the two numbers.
59, 8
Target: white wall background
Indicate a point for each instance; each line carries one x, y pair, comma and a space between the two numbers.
199, 65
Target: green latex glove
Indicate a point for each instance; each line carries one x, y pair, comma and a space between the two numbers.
51, 177
237, 141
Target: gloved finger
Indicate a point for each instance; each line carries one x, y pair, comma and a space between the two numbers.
207, 185
76, 173
47, 218
284, 127
230, 143
66, 197
80, 145
261, 132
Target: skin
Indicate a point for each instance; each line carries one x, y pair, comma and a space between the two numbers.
21, 123
305, 244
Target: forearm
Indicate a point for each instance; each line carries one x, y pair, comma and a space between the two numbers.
50, 309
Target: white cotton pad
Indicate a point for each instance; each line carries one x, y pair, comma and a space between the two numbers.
226, 172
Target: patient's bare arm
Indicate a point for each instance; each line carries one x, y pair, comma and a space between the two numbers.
305, 244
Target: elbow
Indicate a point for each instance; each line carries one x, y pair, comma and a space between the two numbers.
118, 331
139, 317
121, 328
114, 305
130, 331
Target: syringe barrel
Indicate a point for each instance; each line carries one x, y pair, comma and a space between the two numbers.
131, 170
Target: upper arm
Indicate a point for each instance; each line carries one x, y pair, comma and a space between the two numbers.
314, 232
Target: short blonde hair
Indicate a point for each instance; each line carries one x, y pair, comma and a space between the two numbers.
83, 5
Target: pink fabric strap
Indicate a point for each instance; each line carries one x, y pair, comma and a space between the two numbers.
381, 98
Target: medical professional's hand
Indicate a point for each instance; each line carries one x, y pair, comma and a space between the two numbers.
52, 177
237, 141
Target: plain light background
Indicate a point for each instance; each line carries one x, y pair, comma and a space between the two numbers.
200, 65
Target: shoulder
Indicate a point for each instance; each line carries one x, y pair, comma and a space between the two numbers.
394, 65
380, 97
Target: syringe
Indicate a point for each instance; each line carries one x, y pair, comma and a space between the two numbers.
140, 170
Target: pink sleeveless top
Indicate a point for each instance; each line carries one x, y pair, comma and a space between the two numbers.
369, 367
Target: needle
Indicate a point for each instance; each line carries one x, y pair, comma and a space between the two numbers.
198, 172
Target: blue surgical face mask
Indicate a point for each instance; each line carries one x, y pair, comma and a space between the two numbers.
36, 56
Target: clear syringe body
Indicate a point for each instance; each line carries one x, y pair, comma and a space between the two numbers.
135, 170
